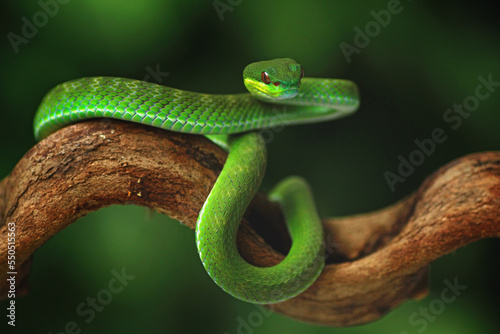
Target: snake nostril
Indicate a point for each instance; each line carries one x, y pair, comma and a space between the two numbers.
276, 83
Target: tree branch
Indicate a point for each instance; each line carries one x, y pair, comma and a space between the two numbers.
375, 261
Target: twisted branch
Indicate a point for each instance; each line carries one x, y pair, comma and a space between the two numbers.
375, 261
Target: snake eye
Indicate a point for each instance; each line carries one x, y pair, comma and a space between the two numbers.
302, 73
265, 78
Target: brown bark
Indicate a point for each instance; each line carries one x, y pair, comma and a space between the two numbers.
375, 261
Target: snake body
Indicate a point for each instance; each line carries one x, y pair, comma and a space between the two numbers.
279, 95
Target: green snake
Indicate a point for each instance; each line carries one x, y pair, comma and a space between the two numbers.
278, 95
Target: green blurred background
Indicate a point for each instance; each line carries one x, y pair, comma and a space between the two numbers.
426, 59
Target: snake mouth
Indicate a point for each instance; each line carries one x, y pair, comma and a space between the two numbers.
273, 91
286, 92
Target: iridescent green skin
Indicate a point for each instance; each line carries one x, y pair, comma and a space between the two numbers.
286, 99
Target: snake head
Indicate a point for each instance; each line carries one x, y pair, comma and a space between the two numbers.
275, 79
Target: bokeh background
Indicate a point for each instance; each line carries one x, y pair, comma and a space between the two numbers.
425, 60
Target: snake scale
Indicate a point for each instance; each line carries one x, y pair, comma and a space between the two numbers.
278, 95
